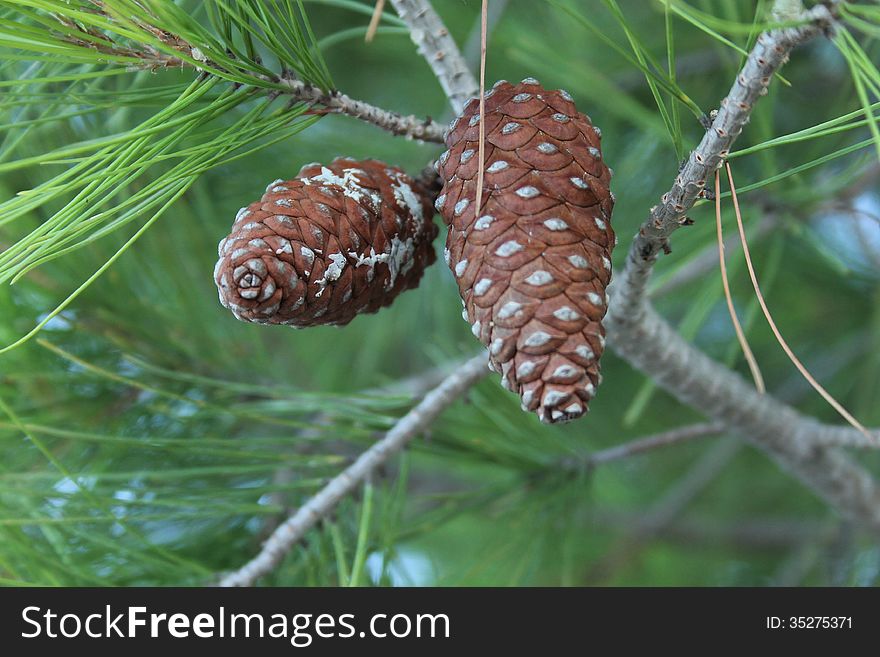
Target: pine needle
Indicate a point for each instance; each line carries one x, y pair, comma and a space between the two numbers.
363, 538
374, 20
484, 26
740, 334
794, 359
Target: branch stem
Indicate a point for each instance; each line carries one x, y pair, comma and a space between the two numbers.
292, 530
654, 441
801, 445
336, 102
771, 51
439, 49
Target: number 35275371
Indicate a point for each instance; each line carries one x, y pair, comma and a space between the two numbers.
809, 622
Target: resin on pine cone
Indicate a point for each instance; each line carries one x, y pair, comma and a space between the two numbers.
334, 242
533, 264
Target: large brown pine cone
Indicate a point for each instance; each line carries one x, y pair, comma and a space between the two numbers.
533, 264
334, 242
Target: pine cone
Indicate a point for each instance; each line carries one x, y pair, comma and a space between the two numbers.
533, 264
334, 242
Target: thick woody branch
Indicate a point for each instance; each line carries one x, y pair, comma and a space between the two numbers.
771, 51
322, 504
800, 445
439, 49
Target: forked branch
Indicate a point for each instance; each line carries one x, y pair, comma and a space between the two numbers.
801, 445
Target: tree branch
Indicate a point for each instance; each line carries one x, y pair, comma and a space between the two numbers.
336, 102
437, 46
654, 441
800, 445
771, 51
333, 101
320, 505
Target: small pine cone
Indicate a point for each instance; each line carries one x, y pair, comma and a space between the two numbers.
532, 266
334, 242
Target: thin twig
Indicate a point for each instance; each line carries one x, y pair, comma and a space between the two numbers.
875, 218
439, 49
332, 102
322, 503
339, 103
655, 441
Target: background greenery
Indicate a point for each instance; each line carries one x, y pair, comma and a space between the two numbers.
146, 437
